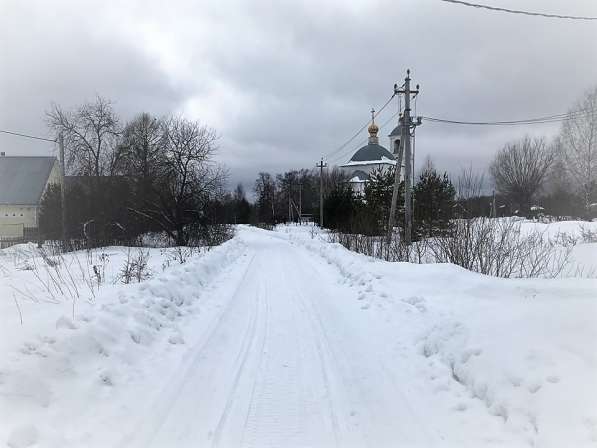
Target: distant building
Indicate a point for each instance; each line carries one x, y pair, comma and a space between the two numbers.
371, 157
23, 183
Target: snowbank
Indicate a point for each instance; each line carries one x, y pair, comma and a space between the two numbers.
54, 366
507, 362
524, 349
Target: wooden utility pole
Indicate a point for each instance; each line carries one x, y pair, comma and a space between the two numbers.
289, 203
62, 187
300, 213
321, 166
398, 153
407, 125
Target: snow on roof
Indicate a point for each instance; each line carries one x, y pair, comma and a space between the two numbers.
382, 161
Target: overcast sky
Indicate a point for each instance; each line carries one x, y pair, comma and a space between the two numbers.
285, 82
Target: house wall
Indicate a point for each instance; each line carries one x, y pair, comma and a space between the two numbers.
14, 218
19, 214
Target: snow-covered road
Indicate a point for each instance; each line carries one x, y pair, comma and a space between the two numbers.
283, 364
278, 339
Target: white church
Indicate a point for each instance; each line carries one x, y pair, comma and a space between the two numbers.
371, 157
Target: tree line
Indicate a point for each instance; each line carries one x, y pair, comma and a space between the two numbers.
126, 179
559, 177
529, 176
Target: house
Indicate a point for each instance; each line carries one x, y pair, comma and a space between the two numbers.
23, 183
371, 157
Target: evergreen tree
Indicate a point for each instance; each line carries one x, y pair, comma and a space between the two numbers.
378, 198
339, 208
434, 202
242, 207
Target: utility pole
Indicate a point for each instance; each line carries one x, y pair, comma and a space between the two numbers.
62, 186
300, 213
398, 153
407, 125
289, 203
321, 166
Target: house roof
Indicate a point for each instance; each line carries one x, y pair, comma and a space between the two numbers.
23, 179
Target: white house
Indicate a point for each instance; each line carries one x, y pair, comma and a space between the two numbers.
23, 183
371, 157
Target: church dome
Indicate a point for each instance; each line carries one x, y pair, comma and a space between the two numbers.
373, 129
397, 131
371, 153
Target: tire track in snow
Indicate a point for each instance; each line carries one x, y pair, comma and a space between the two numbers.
241, 361
277, 412
317, 339
373, 360
251, 407
169, 394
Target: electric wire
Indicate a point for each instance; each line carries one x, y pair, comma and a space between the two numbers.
518, 11
19, 134
363, 142
361, 129
528, 121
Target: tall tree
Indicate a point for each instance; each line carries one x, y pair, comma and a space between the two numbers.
242, 208
339, 208
578, 140
143, 154
187, 180
265, 189
519, 170
91, 135
434, 198
378, 198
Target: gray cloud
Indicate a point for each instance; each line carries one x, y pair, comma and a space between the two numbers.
285, 82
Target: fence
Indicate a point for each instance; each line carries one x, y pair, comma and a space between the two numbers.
27, 235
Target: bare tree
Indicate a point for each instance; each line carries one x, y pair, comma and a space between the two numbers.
186, 179
265, 189
469, 190
91, 135
578, 139
142, 146
520, 168
143, 154
332, 178
469, 184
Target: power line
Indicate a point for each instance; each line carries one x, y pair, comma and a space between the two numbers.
18, 134
363, 142
528, 121
517, 11
361, 129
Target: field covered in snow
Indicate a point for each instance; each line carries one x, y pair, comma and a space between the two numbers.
283, 339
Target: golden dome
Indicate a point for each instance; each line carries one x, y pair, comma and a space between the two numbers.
373, 129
